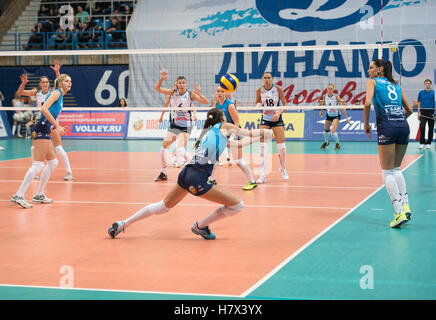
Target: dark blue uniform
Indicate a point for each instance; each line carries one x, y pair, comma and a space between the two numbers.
392, 126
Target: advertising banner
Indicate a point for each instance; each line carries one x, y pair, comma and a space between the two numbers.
4, 127
95, 124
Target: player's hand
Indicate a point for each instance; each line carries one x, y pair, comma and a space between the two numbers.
368, 130
23, 78
62, 130
56, 67
320, 113
194, 118
197, 88
160, 119
164, 74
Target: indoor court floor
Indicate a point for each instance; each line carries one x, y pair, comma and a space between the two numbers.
324, 234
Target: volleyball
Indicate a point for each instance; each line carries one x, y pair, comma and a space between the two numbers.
229, 82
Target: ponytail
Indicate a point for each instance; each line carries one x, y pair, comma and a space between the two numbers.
214, 116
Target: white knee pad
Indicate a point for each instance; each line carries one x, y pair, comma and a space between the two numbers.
53, 163
232, 210
60, 150
281, 146
37, 166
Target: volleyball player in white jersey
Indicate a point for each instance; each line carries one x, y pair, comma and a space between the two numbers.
180, 120
271, 95
41, 95
179, 157
332, 117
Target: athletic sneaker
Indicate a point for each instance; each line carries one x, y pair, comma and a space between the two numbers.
162, 177
41, 198
262, 179
204, 232
211, 181
428, 146
21, 202
406, 210
284, 174
325, 144
421, 146
338, 146
68, 176
1, 148
399, 219
117, 227
250, 186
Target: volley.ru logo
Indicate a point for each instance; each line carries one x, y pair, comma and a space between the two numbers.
318, 15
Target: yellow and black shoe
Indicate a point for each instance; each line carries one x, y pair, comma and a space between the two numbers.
399, 219
250, 186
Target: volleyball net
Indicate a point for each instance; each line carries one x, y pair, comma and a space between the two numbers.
303, 72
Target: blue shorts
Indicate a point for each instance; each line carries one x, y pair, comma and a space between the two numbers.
272, 124
42, 130
176, 129
194, 180
398, 135
328, 118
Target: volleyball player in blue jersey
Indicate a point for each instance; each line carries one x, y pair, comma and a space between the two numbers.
232, 116
193, 178
43, 148
392, 108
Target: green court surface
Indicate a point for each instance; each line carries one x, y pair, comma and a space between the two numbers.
359, 257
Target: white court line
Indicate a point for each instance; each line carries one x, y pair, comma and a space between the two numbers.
193, 204
307, 244
221, 184
122, 291
177, 169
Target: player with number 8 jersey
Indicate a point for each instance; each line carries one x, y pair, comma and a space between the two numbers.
392, 108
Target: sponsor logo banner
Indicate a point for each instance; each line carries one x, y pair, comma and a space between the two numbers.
146, 124
96, 124
4, 130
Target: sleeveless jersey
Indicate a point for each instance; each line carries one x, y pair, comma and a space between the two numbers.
269, 98
387, 104
55, 109
211, 146
40, 99
331, 101
180, 118
225, 108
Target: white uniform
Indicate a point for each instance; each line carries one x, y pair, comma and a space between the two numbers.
332, 101
40, 99
181, 118
269, 98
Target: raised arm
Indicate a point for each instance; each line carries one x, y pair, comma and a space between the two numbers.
23, 84
197, 96
157, 86
56, 67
